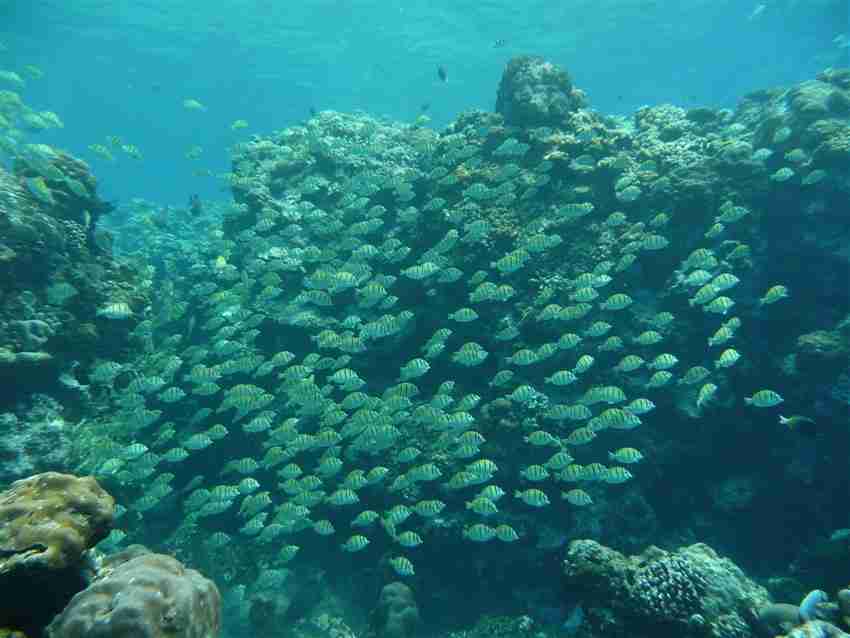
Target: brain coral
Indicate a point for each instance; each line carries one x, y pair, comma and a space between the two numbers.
139, 594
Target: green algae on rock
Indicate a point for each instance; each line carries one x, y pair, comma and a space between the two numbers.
47, 524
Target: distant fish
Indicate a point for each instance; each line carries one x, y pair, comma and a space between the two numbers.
802, 424
425, 106
759, 9
442, 74
842, 534
193, 105
196, 207
498, 44
115, 310
38, 188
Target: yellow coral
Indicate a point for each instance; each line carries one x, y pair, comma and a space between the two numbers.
49, 520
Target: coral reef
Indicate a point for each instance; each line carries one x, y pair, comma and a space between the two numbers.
47, 522
36, 438
322, 626
407, 322
500, 627
140, 594
324, 307
56, 270
692, 591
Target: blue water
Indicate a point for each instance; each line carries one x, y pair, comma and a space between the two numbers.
124, 68
731, 476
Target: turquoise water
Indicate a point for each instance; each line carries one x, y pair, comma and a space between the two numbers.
342, 324
126, 67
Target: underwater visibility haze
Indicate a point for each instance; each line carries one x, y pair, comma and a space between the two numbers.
425, 319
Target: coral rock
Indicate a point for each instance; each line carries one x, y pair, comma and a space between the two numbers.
823, 352
138, 594
692, 590
778, 618
534, 92
278, 597
843, 597
50, 519
36, 438
816, 629
47, 522
396, 615
33, 332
